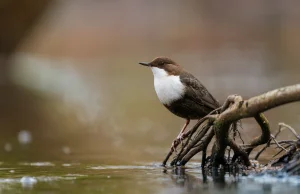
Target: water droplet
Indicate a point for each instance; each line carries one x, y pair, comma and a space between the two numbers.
24, 137
28, 181
66, 150
7, 147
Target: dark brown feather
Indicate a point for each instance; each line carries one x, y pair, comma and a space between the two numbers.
197, 93
197, 101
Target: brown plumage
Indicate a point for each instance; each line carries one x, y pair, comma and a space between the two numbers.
196, 102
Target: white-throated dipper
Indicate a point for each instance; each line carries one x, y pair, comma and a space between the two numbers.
180, 92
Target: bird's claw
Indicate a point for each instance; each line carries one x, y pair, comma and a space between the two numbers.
178, 140
173, 147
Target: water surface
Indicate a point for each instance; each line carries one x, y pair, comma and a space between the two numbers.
58, 177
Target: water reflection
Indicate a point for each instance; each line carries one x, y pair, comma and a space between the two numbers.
191, 180
39, 177
199, 183
186, 181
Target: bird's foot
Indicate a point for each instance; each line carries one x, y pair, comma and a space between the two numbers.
180, 137
173, 147
177, 141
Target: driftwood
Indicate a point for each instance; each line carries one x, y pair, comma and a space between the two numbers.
222, 121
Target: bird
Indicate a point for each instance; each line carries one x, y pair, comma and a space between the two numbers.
180, 92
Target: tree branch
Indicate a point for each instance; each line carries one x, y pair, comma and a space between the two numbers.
233, 110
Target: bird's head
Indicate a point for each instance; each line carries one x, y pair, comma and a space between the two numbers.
163, 66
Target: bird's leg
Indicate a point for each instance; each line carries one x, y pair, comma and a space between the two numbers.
179, 137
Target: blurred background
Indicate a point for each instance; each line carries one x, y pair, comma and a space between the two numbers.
71, 87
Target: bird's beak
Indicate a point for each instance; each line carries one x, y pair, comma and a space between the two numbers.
145, 64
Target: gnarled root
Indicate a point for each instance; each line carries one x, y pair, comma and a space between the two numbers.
220, 121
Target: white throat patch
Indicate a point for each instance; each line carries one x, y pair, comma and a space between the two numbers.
158, 73
168, 87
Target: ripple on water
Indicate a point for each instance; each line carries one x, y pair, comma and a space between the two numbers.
273, 179
120, 167
36, 164
139, 166
9, 180
75, 175
28, 181
66, 165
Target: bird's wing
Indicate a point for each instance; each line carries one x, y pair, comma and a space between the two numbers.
197, 92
